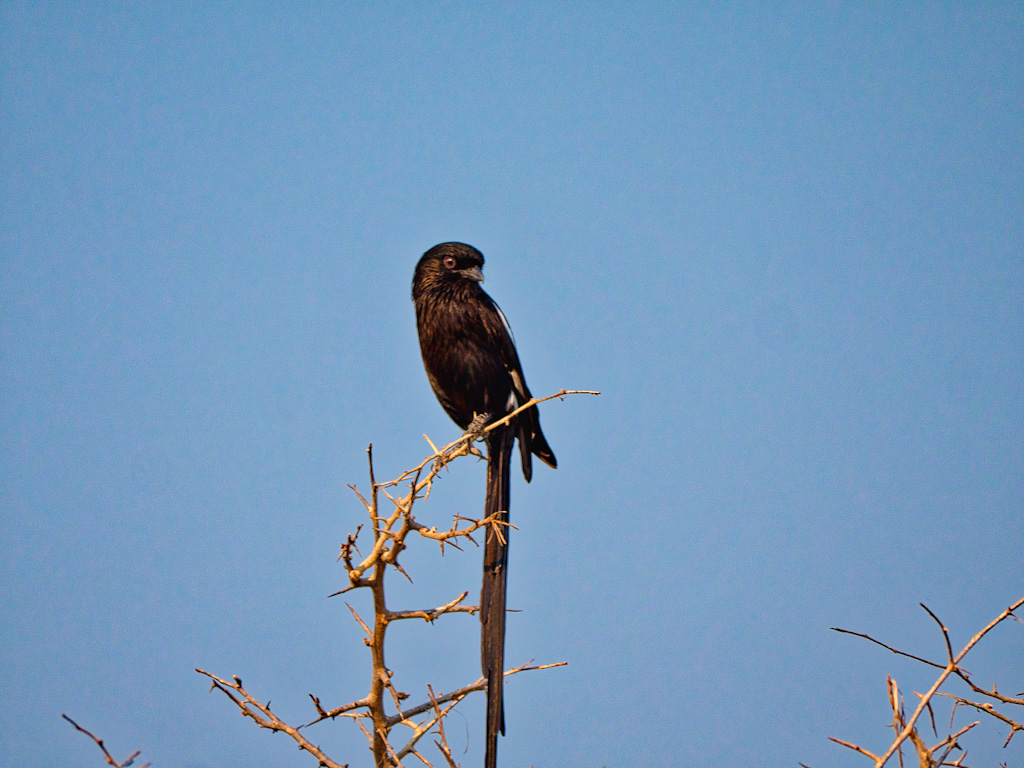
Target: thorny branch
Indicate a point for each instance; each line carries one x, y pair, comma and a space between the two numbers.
390, 530
264, 717
99, 743
906, 728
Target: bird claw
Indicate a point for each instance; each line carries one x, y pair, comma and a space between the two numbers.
476, 426
473, 432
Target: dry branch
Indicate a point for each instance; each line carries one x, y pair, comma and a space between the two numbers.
99, 743
906, 728
264, 717
391, 529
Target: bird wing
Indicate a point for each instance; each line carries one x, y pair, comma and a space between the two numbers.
531, 439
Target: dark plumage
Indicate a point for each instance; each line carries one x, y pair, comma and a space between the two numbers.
471, 361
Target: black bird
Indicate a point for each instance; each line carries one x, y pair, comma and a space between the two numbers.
471, 361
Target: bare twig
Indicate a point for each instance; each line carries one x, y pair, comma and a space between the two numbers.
479, 685
988, 708
435, 613
262, 715
906, 728
457, 447
99, 743
442, 745
888, 647
854, 747
461, 693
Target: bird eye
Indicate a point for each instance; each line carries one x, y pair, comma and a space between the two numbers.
449, 261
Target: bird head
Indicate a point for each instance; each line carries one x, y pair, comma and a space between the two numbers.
447, 264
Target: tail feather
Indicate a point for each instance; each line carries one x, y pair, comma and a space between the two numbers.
532, 442
495, 585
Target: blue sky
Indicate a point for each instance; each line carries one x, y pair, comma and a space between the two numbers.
784, 240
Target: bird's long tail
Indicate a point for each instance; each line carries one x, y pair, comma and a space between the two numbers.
495, 583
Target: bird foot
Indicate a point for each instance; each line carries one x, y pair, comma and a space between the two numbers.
476, 426
474, 431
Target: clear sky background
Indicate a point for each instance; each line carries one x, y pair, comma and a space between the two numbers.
784, 240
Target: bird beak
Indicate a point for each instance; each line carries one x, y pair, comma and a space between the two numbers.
473, 273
